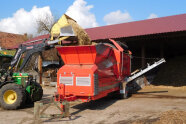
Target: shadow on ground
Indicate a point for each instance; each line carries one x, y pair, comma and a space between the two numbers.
99, 104
92, 105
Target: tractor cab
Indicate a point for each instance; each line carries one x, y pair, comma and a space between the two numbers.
4, 59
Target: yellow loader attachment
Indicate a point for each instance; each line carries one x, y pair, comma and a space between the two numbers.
62, 29
67, 28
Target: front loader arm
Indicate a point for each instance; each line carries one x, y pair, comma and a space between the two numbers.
36, 49
29, 50
63, 32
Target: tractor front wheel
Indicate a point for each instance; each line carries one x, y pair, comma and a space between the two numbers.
12, 96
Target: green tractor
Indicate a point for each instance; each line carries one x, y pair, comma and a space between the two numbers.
16, 88
18, 92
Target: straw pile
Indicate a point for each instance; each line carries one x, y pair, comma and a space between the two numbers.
82, 36
50, 55
172, 117
168, 117
172, 73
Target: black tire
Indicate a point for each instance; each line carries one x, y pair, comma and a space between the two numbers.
18, 100
38, 92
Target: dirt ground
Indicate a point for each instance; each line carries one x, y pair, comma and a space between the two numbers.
144, 107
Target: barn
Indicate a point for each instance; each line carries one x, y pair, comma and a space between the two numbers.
150, 40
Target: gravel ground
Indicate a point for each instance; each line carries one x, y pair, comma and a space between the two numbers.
145, 107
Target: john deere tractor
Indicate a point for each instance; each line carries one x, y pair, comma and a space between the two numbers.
15, 87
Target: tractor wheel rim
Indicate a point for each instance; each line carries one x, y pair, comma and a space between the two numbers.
10, 97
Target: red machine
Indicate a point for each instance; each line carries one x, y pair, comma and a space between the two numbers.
91, 72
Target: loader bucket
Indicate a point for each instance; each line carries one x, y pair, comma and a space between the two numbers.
62, 28
67, 31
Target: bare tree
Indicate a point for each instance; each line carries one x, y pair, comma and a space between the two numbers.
45, 23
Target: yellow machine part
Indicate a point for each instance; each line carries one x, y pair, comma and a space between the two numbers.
62, 22
78, 31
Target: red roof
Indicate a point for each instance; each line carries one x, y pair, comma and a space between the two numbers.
8, 40
39, 38
138, 28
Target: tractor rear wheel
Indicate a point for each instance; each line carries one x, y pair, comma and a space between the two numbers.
38, 93
12, 96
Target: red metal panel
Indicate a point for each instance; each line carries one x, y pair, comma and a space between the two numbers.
77, 71
69, 55
78, 54
86, 54
91, 72
126, 65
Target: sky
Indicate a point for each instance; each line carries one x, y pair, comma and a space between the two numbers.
20, 16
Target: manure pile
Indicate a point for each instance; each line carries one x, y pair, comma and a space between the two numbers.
172, 73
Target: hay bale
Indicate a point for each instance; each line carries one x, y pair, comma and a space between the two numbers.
82, 36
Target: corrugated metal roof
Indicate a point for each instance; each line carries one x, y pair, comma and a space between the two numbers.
138, 28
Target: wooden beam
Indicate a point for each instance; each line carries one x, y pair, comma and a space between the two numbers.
143, 55
162, 50
40, 71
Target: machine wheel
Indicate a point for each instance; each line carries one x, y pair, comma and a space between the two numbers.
12, 96
125, 93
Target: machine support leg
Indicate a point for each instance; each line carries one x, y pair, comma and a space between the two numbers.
36, 112
67, 107
40, 108
62, 108
123, 90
